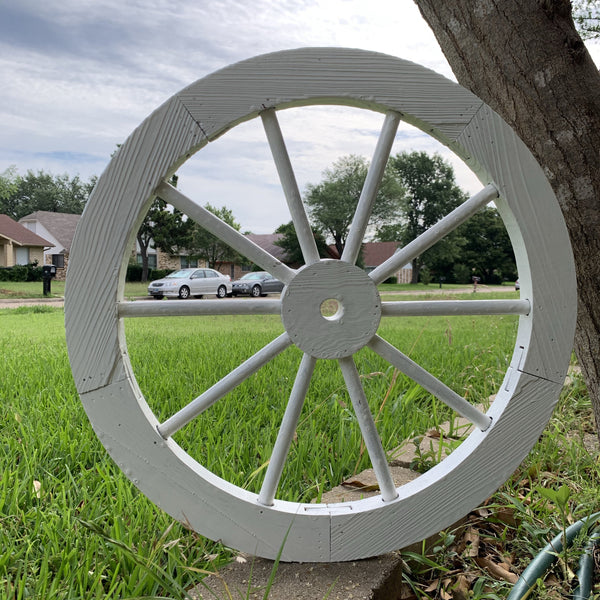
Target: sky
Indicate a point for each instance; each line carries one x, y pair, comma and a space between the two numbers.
78, 76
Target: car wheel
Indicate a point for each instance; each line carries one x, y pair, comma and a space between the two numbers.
222, 291
256, 291
184, 292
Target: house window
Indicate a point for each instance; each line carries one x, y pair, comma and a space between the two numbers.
58, 260
247, 267
186, 262
22, 256
151, 260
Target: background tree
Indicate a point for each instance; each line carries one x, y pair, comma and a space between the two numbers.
23, 195
486, 249
431, 193
289, 242
332, 203
586, 14
526, 60
206, 246
8, 189
165, 228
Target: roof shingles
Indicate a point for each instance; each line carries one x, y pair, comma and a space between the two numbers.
60, 225
19, 235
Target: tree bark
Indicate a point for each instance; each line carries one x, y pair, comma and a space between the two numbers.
144, 244
526, 60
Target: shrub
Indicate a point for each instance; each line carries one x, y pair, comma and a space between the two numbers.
425, 275
30, 272
462, 273
158, 273
134, 273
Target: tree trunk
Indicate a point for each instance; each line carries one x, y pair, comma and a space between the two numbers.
415, 271
526, 60
144, 244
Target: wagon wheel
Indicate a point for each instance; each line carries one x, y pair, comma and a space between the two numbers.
143, 447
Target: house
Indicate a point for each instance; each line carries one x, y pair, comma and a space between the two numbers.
19, 245
376, 253
267, 242
59, 229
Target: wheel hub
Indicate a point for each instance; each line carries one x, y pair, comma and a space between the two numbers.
331, 309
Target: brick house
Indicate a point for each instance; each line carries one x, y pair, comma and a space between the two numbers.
19, 245
376, 253
57, 227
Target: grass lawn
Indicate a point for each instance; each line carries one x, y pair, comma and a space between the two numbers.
73, 526
34, 289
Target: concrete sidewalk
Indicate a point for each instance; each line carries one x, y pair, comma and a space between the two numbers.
16, 302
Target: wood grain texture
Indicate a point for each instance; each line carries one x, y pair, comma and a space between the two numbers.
192, 494
537, 230
459, 483
331, 76
105, 235
355, 322
94, 304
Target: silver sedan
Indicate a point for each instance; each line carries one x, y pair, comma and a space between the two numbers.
191, 282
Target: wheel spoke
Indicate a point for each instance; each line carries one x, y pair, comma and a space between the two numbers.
370, 188
429, 382
368, 429
194, 308
435, 233
290, 187
286, 431
227, 234
224, 386
434, 308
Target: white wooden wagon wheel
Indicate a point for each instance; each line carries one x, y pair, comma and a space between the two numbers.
95, 309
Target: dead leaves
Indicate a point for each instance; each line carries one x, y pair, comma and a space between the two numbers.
497, 570
360, 485
478, 555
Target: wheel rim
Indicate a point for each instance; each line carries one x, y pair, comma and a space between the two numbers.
144, 448
221, 292
256, 291
184, 292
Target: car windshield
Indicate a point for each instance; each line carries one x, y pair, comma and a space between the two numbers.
253, 276
179, 274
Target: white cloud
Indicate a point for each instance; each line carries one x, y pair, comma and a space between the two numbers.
80, 75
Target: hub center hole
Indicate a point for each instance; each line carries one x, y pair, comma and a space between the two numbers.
331, 309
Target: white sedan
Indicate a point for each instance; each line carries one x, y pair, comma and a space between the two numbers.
191, 282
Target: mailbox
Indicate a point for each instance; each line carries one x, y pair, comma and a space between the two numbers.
48, 271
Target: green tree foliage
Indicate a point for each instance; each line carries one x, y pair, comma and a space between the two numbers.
289, 242
332, 203
586, 14
205, 246
23, 195
164, 227
431, 193
487, 251
8, 187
